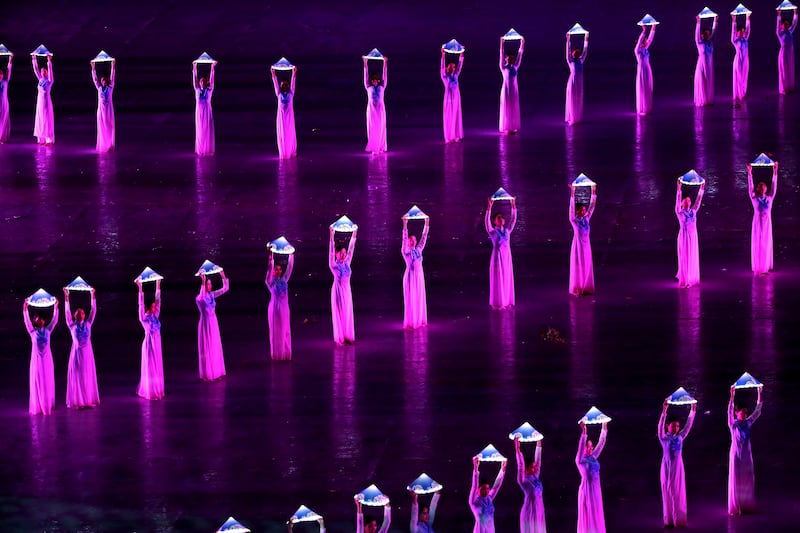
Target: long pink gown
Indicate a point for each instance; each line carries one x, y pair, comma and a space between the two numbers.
105, 113
573, 112
741, 477
483, 507
761, 249
704, 70
342, 295
688, 246
509, 93
581, 268
209, 342
741, 61
151, 382
280, 333
387, 520
644, 74
44, 125
590, 496
5, 118
786, 56
376, 113
284, 120
531, 517
203, 117
673, 480
81, 372
415, 308
501, 266
42, 398
451, 106
424, 527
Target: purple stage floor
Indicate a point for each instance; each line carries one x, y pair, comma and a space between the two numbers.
272, 436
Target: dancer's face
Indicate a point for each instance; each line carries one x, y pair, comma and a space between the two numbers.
499, 221
687, 202
79, 315
424, 514
38, 322
341, 253
152, 308
532, 469
589, 447
740, 32
371, 527
706, 35
277, 271
412, 241
741, 414
761, 188
203, 83
510, 59
208, 285
43, 72
1, 75
484, 490
785, 25
580, 211
374, 81
674, 427
103, 81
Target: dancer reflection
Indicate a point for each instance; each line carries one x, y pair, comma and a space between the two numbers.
501, 266
422, 519
688, 245
761, 251
785, 32
673, 482
451, 108
482, 495
44, 126
741, 61
644, 74
575, 58
151, 382
105, 108
704, 70
203, 115
42, 397
581, 268
209, 342
284, 122
370, 524
280, 333
531, 517
415, 311
509, 94
81, 372
375, 86
590, 497
339, 259
5, 119
741, 478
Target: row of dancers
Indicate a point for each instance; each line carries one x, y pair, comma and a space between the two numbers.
452, 61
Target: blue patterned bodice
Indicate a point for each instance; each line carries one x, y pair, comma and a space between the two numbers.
44, 84
583, 224
535, 482
209, 300
592, 465
285, 98
743, 44
279, 286
674, 445
512, 72
42, 338
105, 93
415, 255
452, 80
577, 65
741, 431
203, 94
342, 269
763, 203
3, 84
688, 216
376, 94
787, 39
424, 527
503, 235
643, 52
153, 323
708, 47
81, 332
486, 508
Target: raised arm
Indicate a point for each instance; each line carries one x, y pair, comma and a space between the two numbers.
26, 317
487, 221
698, 39
113, 74
502, 53
699, 199
473, 491
520, 462
211, 75
93, 310
414, 512
537, 456
678, 198
498, 481
226, 285
731, 410
195, 84
571, 213
750, 189
733, 28
67, 310
689, 421
366, 73
519, 53
443, 75
601, 442
293, 80
385, 70
52, 325
158, 298
8, 68
432, 508
331, 250
661, 431
585, 47
38, 74
387, 518
592, 202
270, 269
289, 268
513, 221
650, 37
424, 237
714, 27
460, 63
275, 83
94, 75
794, 22
351, 246
568, 52
641, 42
581, 446
50, 74
757, 411
404, 243
774, 187
359, 518
747, 26
142, 314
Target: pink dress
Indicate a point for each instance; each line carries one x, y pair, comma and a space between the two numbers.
786, 56
151, 382
673, 481
574, 103
376, 113
42, 397
509, 93
581, 268
741, 478
284, 121
531, 517
451, 107
44, 126
704, 70
590, 496
342, 295
5, 120
501, 266
105, 113
209, 343
644, 74
483, 507
424, 527
415, 309
688, 246
761, 250
81, 373
741, 61
203, 120
280, 333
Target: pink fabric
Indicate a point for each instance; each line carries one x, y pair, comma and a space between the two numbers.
105, 113
531, 516
376, 113
484, 519
509, 94
415, 307
644, 75
591, 518
451, 106
673, 482
44, 125
501, 266
284, 121
81, 373
786, 56
741, 476
573, 112
741, 61
341, 294
761, 247
42, 398
203, 114
581, 268
209, 342
704, 70
280, 333
688, 246
151, 382
5, 119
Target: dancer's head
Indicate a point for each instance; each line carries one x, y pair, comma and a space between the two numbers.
375, 79
580, 210
208, 284
673, 426
103, 81
589, 447
531, 467
412, 241
786, 25
79, 315
761, 188
740, 32
341, 253
38, 321
686, 203
203, 83
510, 59
424, 514
450, 68
43, 72
284, 86
499, 220
152, 307
741, 413
484, 488
705, 35
370, 524
277, 271
576, 53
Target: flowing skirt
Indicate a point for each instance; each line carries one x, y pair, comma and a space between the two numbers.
688, 257
531, 518
42, 397
209, 347
761, 255
151, 383
581, 268
280, 334
509, 105
501, 277
44, 126
203, 128
287, 136
673, 492
451, 114
644, 87
105, 126
5, 119
741, 69
741, 480
704, 80
590, 507
82, 377
415, 312
342, 311
376, 127
574, 104
786, 67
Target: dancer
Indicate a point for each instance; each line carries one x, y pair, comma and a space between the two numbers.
415, 306
5, 119
375, 86
81, 373
105, 108
42, 398
644, 74
280, 333
785, 32
688, 246
501, 266
673, 482
370, 524
741, 479
741, 61
575, 58
451, 108
44, 128
422, 519
509, 94
284, 121
203, 116
761, 256
590, 497
704, 70
581, 269
209, 343
531, 517
151, 383
339, 259
481, 497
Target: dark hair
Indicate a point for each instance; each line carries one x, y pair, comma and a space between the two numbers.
529, 462
740, 407
672, 419
368, 519
340, 247
375, 76
483, 482
423, 509
579, 205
